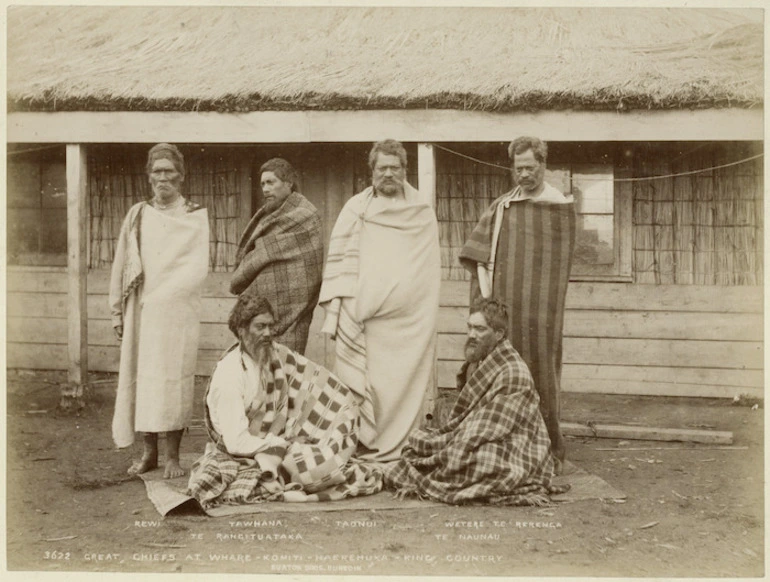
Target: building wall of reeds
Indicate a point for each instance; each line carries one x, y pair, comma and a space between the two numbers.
673, 305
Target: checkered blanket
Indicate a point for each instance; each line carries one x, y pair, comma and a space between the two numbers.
318, 416
493, 449
280, 257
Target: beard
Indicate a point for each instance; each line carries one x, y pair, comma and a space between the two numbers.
389, 187
166, 190
477, 350
259, 350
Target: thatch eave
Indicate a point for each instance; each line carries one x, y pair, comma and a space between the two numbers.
529, 102
496, 60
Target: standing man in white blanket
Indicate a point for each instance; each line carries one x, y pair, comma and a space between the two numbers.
161, 262
381, 294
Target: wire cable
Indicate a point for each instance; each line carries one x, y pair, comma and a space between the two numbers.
640, 179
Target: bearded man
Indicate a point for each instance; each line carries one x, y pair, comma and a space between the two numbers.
161, 262
381, 293
282, 428
494, 448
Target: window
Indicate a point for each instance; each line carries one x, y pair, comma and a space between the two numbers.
601, 217
37, 210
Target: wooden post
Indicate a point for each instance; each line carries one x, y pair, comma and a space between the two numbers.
77, 312
426, 176
426, 172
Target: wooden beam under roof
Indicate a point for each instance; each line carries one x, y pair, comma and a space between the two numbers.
411, 125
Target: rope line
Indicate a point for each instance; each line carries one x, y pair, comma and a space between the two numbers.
37, 149
641, 179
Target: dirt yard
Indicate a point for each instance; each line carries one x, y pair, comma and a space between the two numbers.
692, 510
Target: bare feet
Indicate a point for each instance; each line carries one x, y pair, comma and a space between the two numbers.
146, 463
173, 469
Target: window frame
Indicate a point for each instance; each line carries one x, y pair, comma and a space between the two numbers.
44, 165
621, 270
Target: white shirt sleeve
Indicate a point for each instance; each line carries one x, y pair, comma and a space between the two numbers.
227, 404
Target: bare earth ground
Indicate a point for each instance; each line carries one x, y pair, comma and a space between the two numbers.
691, 511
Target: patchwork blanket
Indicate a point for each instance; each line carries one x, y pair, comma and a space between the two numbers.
280, 257
493, 449
318, 416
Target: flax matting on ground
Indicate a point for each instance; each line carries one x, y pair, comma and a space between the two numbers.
169, 495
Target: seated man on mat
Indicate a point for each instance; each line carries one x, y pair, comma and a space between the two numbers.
494, 447
281, 427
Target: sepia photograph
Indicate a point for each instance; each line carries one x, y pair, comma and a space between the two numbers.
395, 289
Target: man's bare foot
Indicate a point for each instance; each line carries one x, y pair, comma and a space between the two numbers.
146, 463
173, 469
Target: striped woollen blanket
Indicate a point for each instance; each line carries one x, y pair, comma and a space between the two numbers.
493, 449
532, 261
318, 415
280, 257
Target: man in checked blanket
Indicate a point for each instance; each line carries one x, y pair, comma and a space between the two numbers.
494, 447
280, 254
282, 428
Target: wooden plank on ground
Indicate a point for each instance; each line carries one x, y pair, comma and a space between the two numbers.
627, 387
647, 433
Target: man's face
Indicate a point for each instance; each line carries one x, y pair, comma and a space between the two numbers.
528, 172
257, 337
388, 175
275, 190
165, 180
482, 339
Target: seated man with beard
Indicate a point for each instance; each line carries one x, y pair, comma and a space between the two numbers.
282, 428
494, 447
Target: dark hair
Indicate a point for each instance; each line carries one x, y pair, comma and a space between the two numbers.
247, 308
165, 151
283, 170
494, 311
522, 144
388, 147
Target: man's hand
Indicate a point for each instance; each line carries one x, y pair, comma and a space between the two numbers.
119, 332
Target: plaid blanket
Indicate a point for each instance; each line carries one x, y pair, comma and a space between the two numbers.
309, 408
280, 257
493, 449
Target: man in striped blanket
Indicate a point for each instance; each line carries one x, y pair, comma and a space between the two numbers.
521, 251
282, 428
494, 447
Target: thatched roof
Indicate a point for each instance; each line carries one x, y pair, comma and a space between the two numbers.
292, 58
